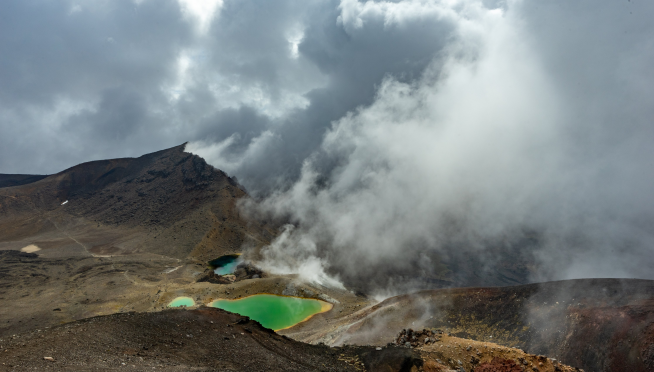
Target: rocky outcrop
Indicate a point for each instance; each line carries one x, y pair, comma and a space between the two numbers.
209, 276
411, 338
246, 270
442, 352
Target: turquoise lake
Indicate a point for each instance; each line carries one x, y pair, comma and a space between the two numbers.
225, 265
182, 301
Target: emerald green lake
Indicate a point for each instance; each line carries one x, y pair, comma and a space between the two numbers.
274, 312
182, 301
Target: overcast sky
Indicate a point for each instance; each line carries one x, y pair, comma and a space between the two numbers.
377, 126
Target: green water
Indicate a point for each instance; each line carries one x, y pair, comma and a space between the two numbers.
181, 301
226, 264
274, 312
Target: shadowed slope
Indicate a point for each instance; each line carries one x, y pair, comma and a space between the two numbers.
178, 340
9, 180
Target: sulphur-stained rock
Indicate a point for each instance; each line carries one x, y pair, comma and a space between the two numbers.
462, 354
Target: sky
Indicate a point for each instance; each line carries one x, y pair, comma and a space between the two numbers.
379, 129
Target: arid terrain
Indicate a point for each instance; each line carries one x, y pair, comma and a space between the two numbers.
179, 340
594, 324
210, 339
91, 257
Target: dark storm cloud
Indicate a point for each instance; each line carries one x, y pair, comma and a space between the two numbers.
50, 48
77, 78
354, 61
103, 73
119, 114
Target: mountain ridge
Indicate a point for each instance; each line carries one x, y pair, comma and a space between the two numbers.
152, 196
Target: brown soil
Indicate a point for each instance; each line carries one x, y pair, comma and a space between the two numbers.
454, 353
499, 365
38, 292
442, 352
179, 340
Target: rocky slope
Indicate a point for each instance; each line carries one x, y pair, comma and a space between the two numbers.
168, 203
441, 352
9, 180
206, 339
594, 324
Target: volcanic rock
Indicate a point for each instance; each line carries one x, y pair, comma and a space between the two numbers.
594, 324
161, 341
170, 203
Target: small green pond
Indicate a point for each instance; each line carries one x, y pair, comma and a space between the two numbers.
182, 301
274, 312
225, 264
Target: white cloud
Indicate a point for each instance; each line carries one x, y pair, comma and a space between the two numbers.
202, 12
355, 14
183, 79
217, 154
473, 152
294, 39
232, 92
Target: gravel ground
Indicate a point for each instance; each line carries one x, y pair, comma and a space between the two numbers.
205, 339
